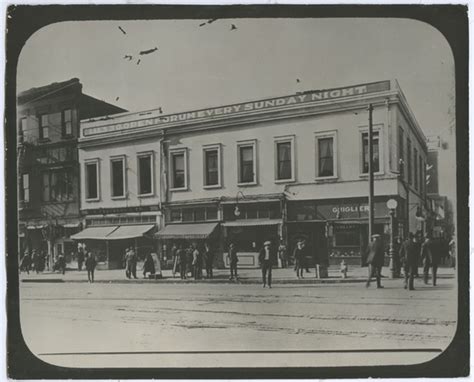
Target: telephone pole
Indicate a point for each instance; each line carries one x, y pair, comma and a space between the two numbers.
371, 174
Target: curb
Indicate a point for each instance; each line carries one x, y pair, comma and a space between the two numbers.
178, 281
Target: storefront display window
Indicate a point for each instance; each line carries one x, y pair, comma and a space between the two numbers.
346, 236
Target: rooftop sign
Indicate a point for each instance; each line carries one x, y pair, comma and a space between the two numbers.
308, 97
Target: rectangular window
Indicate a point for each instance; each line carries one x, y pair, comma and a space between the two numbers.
420, 162
188, 215
178, 170
175, 215
211, 170
284, 170
247, 163
200, 214
401, 153
409, 160
66, 119
25, 188
23, 128
415, 168
375, 152
92, 180
44, 126
145, 175
211, 213
117, 167
45, 187
325, 157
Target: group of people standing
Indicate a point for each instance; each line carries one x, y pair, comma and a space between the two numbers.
191, 259
409, 255
35, 261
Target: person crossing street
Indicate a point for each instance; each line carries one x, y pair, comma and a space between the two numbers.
266, 258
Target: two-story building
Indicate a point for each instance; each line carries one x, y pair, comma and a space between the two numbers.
48, 128
279, 169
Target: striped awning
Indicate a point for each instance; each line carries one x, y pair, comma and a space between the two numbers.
252, 222
186, 231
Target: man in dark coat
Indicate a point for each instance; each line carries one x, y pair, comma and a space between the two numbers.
25, 264
182, 259
409, 258
299, 255
430, 256
90, 266
267, 257
233, 260
148, 265
375, 258
208, 259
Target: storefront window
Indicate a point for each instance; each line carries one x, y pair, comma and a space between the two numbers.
188, 215
200, 214
346, 236
211, 213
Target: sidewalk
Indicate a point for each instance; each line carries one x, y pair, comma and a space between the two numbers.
246, 276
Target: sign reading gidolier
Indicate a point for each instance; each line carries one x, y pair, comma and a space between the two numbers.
307, 97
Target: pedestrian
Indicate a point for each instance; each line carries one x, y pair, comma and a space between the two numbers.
61, 263
134, 261
148, 265
282, 254
128, 263
343, 269
174, 258
80, 258
430, 255
197, 263
396, 259
189, 260
90, 266
36, 258
375, 258
299, 255
452, 252
25, 264
266, 258
208, 259
408, 255
233, 260
182, 258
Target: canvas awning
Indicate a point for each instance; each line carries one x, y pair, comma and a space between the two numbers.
71, 225
186, 231
252, 223
94, 233
34, 227
129, 231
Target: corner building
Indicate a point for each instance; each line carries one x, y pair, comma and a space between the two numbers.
285, 168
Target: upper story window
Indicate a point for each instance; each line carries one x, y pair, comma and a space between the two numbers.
57, 186
285, 163
375, 152
66, 122
23, 128
401, 152
145, 174
117, 175
247, 162
422, 181
409, 160
212, 166
178, 169
92, 180
415, 168
44, 126
326, 164
25, 188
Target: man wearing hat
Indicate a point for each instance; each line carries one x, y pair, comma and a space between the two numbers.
299, 255
233, 260
375, 257
266, 258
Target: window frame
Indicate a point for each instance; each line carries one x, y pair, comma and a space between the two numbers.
205, 149
42, 127
285, 139
63, 124
25, 188
172, 153
151, 155
415, 169
409, 161
86, 179
322, 135
123, 159
241, 144
365, 130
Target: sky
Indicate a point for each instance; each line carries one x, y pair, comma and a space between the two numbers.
197, 67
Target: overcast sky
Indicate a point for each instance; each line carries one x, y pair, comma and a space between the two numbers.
213, 65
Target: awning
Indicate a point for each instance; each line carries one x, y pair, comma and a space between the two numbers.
34, 227
252, 223
71, 225
186, 231
129, 231
94, 233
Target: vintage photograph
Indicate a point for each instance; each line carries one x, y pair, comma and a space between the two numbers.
237, 192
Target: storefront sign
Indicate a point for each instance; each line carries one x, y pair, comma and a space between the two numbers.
299, 98
120, 210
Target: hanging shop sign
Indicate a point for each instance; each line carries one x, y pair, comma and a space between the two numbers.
306, 97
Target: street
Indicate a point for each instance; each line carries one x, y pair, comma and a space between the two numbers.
147, 325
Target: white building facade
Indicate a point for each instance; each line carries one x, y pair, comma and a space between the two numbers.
278, 169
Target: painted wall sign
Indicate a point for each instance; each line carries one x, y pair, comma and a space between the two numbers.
242, 108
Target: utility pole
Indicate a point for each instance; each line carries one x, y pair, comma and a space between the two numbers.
371, 175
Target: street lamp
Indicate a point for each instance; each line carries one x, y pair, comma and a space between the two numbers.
392, 206
237, 210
